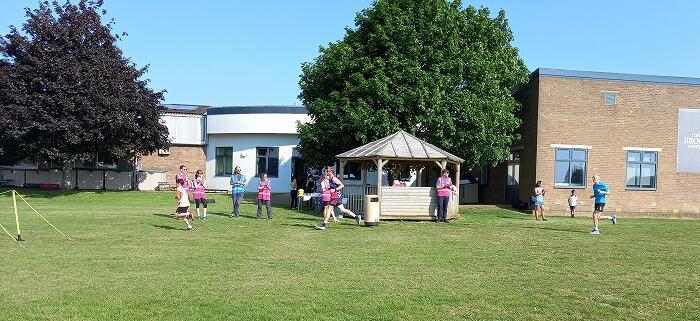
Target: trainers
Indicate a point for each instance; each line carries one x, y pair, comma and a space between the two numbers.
595, 231
189, 227
613, 219
321, 226
357, 219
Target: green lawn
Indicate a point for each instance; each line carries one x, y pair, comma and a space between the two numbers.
130, 260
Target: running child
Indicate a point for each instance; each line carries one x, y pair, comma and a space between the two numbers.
600, 191
264, 187
199, 186
183, 203
332, 199
572, 202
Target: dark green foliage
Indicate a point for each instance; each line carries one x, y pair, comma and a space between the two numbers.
440, 72
67, 93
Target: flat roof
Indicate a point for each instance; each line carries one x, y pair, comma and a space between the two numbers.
596, 75
228, 110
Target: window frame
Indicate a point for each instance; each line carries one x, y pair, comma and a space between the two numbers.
641, 162
224, 156
570, 160
267, 161
610, 98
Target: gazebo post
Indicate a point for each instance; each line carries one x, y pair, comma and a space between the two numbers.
341, 170
457, 179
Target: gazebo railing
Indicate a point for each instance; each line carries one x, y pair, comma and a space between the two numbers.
355, 195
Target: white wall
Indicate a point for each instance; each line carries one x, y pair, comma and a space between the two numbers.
255, 123
244, 155
184, 128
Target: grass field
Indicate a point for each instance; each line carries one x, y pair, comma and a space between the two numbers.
130, 260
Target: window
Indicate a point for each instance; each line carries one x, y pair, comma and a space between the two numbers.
641, 169
352, 171
610, 97
570, 167
268, 160
224, 161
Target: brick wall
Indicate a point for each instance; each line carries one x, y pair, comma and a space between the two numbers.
194, 157
572, 111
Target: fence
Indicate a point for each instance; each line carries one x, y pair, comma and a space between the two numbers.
356, 196
82, 178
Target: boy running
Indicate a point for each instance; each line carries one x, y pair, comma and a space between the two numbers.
600, 191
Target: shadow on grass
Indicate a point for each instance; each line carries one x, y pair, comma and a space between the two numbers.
166, 227
305, 218
306, 226
555, 229
164, 215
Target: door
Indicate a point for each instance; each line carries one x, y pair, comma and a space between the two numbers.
513, 179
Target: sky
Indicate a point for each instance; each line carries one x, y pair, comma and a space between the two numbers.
237, 52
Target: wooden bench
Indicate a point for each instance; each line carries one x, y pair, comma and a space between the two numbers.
164, 186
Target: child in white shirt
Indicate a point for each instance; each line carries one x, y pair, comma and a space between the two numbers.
572, 202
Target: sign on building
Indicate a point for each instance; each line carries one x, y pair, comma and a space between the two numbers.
688, 157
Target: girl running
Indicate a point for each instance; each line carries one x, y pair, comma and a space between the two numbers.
199, 197
183, 203
331, 187
264, 187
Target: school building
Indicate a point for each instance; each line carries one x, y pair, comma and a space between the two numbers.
640, 133
216, 139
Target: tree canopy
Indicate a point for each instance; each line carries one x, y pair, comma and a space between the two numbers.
67, 93
430, 67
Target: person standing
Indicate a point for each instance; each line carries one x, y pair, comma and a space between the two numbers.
183, 203
444, 191
183, 176
199, 186
572, 202
238, 182
310, 188
264, 188
600, 191
293, 193
539, 201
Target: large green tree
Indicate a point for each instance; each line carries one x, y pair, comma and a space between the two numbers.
430, 67
68, 94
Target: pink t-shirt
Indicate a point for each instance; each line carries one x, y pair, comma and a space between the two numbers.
199, 189
264, 187
184, 177
444, 191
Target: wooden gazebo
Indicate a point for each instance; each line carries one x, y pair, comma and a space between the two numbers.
405, 203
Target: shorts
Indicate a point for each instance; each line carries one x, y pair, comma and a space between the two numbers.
539, 203
335, 202
202, 200
572, 207
599, 207
183, 209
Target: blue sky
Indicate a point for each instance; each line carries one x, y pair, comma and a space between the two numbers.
222, 53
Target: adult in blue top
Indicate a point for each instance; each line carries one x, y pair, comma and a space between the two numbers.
238, 183
600, 191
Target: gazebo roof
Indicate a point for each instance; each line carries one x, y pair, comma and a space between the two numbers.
400, 145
